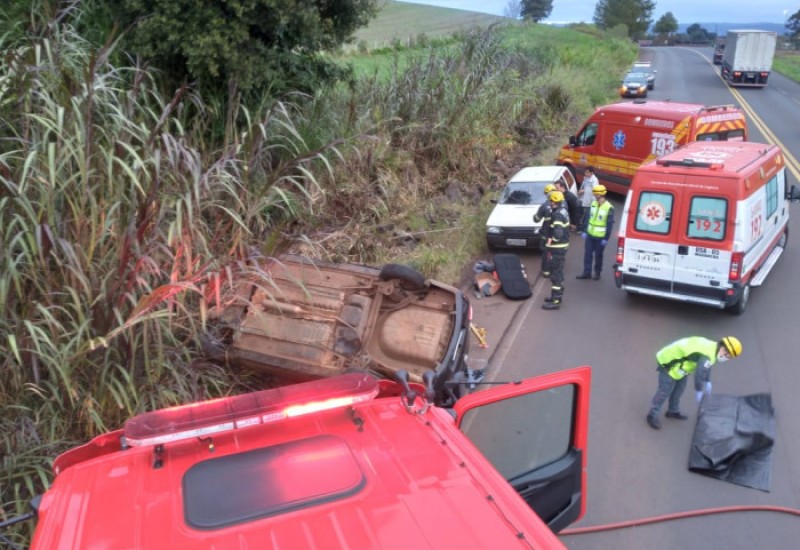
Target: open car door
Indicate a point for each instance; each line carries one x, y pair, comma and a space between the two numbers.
535, 433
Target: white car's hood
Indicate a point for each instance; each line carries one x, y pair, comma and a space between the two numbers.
513, 215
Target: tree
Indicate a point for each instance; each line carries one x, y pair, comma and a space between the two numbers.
536, 10
242, 44
697, 34
635, 14
513, 9
667, 24
793, 24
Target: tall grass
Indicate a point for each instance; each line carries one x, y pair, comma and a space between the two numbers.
117, 214
127, 210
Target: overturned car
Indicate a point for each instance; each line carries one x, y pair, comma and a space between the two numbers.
306, 319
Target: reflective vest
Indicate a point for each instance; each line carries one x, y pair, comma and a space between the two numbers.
598, 219
680, 357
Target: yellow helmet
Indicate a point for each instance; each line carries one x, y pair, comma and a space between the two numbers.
549, 188
556, 196
599, 190
733, 345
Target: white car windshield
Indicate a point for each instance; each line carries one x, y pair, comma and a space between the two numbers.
524, 192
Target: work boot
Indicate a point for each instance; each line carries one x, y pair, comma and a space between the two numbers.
596, 277
653, 421
551, 304
676, 415
584, 276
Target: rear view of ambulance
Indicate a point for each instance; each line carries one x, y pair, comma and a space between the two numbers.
705, 223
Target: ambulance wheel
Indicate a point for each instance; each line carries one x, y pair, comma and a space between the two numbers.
739, 307
784, 239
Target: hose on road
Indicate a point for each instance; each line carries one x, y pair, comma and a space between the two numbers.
677, 515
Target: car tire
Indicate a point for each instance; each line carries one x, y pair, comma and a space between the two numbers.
410, 277
739, 307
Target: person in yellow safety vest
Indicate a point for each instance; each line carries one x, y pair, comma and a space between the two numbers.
597, 232
557, 245
676, 361
544, 214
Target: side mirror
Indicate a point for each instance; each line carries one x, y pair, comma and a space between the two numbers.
573, 141
793, 194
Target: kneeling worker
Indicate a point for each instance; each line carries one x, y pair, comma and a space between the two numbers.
677, 361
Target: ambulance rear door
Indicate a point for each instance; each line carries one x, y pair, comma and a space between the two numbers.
703, 255
651, 242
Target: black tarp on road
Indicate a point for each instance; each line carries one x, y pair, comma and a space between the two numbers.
733, 439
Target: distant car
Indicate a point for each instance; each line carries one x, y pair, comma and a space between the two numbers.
634, 85
646, 67
305, 319
511, 224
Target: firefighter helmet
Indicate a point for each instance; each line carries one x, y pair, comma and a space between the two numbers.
549, 188
732, 345
599, 190
556, 196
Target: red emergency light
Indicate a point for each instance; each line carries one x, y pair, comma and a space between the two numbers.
252, 409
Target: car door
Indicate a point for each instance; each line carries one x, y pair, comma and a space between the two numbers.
651, 243
535, 433
703, 256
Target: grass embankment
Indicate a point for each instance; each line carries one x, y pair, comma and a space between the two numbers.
788, 64
125, 213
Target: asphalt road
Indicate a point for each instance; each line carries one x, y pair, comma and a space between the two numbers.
635, 472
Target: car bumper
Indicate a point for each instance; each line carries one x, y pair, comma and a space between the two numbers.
514, 238
713, 297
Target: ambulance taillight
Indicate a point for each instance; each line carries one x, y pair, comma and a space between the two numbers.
735, 272
620, 250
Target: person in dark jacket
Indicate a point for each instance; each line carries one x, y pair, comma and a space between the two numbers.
557, 245
573, 205
676, 361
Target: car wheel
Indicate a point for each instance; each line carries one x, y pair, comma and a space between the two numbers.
739, 307
784, 240
411, 277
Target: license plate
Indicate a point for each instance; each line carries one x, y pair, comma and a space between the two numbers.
516, 242
649, 258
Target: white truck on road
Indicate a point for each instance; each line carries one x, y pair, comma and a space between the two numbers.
747, 58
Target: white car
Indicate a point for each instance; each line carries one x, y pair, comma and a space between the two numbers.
511, 224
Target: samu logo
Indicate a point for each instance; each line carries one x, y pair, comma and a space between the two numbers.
619, 140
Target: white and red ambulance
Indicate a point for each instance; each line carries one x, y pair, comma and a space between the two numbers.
705, 223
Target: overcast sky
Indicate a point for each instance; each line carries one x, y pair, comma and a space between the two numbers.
685, 11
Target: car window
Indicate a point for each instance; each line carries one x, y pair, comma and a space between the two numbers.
569, 181
588, 134
707, 217
523, 192
538, 426
723, 135
772, 195
654, 212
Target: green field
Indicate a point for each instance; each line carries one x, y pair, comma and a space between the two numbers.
404, 23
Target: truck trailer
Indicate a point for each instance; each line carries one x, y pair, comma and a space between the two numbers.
747, 58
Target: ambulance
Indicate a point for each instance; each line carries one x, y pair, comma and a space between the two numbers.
620, 137
705, 224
